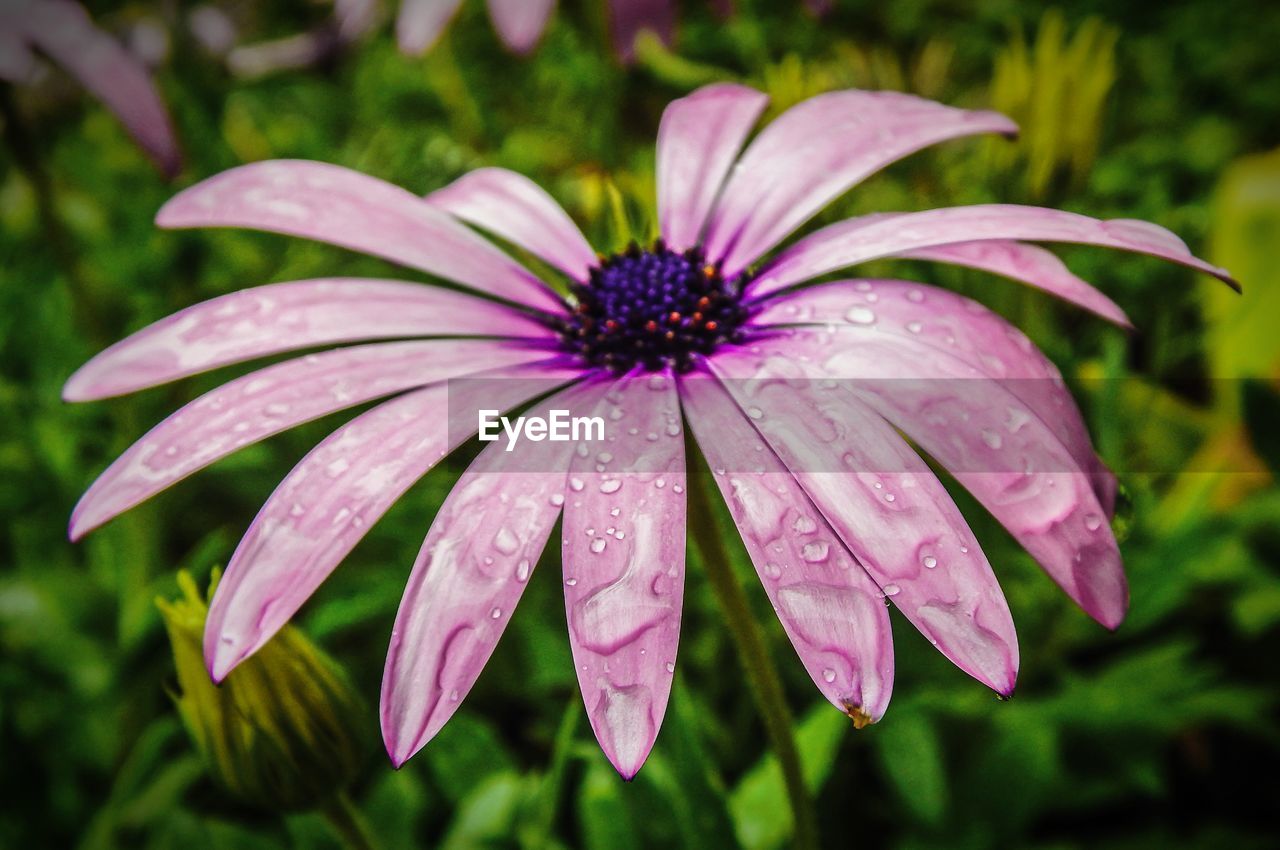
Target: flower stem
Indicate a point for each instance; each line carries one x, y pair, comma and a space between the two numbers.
762, 676
347, 822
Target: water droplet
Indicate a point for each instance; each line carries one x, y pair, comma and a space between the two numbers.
1092, 522
673, 430
615, 511
660, 483
453, 696
597, 545
505, 541
571, 582
889, 497
576, 485
755, 413
828, 675
613, 485
915, 295
773, 570
891, 590
495, 613
523, 569
804, 524
297, 510
557, 499
915, 327
860, 316
815, 552
677, 489
616, 414
671, 667
992, 438
1016, 418
929, 561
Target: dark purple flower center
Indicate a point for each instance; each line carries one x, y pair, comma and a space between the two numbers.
653, 308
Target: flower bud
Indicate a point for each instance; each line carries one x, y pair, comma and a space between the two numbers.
281, 731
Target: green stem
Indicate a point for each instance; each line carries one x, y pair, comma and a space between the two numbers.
347, 822
762, 676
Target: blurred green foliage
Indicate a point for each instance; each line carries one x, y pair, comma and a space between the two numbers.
1162, 734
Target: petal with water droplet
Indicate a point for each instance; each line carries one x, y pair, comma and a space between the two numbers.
838, 450
344, 485
469, 576
624, 599
829, 606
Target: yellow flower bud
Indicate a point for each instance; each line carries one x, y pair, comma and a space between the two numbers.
282, 730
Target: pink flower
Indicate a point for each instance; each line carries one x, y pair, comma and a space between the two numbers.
519, 23
63, 31
796, 397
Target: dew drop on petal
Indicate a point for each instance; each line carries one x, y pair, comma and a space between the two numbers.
557, 499
828, 675
992, 438
929, 561
597, 545
613, 485
860, 316
891, 590
505, 541
523, 569
576, 485
755, 413
495, 613
915, 327
1092, 522
671, 667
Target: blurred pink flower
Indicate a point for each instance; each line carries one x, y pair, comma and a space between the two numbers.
519, 23
63, 31
795, 395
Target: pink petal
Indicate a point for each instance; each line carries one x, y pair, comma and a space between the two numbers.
831, 609
520, 23
624, 567
420, 23
1005, 455
514, 208
271, 400
959, 326
851, 242
283, 317
64, 31
697, 141
1028, 264
336, 493
328, 203
815, 152
469, 576
629, 18
887, 507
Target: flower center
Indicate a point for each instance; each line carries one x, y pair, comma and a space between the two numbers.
653, 308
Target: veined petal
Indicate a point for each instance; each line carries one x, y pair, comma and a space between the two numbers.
420, 23
520, 211
1007, 457
65, 32
520, 23
886, 505
336, 493
624, 557
1028, 264
830, 608
851, 242
469, 576
697, 141
275, 399
960, 327
283, 317
629, 18
328, 203
815, 152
